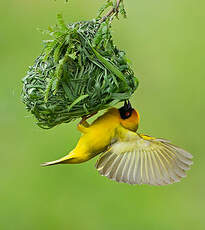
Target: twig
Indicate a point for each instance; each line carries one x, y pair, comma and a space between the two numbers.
112, 11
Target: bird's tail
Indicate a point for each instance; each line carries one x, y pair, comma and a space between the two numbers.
64, 160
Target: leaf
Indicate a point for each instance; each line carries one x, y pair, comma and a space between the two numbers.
61, 22
77, 101
104, 7
110, 66
73, 55
48, 88
122, 9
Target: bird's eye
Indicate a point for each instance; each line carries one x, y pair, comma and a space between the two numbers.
127, 114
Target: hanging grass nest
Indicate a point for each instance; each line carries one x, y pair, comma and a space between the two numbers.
80, 71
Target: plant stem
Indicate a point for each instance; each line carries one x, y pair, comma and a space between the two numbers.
111, 12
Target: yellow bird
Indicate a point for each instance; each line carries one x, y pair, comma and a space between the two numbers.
127, 156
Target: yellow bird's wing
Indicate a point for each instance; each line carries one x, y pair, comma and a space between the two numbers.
140, 159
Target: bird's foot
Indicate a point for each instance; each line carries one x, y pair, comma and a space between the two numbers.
85, 117
83, 125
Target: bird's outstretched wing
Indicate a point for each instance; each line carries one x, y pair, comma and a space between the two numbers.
140, 159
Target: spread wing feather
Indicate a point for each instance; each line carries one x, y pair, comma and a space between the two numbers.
141, 160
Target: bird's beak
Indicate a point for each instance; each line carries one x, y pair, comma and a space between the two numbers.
127, 105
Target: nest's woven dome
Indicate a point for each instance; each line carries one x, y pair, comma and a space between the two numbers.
79, 72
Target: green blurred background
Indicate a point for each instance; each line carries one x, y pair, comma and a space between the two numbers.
166, 42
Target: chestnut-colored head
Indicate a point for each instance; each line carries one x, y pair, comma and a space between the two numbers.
129, 117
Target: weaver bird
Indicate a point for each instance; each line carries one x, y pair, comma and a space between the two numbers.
127, 156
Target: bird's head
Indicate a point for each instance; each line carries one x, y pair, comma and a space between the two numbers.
129, 117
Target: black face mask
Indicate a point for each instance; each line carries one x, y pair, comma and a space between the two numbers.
126, 110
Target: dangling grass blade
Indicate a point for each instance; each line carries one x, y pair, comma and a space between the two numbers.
110, 66
77, 101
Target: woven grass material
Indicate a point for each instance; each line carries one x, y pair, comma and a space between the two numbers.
80, 71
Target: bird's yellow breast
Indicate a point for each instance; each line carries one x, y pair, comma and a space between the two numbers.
99, 135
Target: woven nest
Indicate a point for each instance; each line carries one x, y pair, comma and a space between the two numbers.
79, 72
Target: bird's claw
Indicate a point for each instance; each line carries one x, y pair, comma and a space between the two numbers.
85, 117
